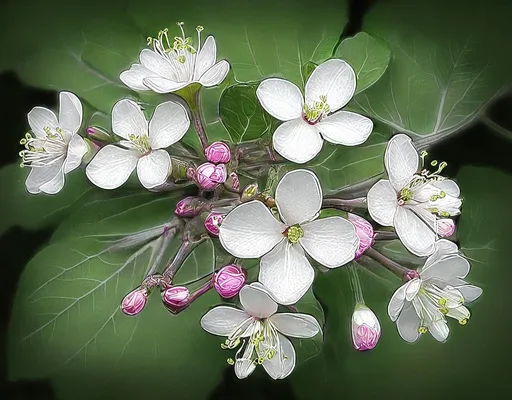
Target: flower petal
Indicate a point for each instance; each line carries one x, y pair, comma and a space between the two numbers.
134, 77
448, 186
408, 324
128, 119
250, 230
283, 362
215, 75
297, 141
469, 292
401, 160
330, 241
111, 167
244, 366
439, 330
286, 272
206, 57
70, 112
414, 233
397, 301
382, 202
76, 151
40, 118
335, 79
257, 302
345, 127
280, 98
168, 124
158, 64
154, 168
448, 267
163, 85
296, 325
48, 179
298, 196
222, 320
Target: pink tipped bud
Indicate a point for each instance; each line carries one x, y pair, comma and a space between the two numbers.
98, 134
364, 231
134, 302
189, 206
366, 328
445, 227
212, 223
229, 280
176, 297
232, 183
209, 176
218, 152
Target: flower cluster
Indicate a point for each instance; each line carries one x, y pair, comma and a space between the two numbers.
284, 226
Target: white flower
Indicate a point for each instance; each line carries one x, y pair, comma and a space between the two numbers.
437, 291
307, 122
56, 149
112, 165
261, 331
168, 68
413, 202
250, 230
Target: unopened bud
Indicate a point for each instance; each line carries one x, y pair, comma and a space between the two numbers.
176, 298
364, 232
410, 274
134, 302
189, 206
250, 192
229, 280
366, 328
212, 223
232, 183
218, 152
209, 176
445, 227
99, 134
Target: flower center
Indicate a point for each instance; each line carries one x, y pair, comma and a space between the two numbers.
262, 343
181, 47
41, 152
140, 142
314, 113
294, 233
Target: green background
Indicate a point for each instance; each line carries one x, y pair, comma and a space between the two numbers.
438, 50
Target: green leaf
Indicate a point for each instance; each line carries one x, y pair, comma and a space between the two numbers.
483, 230
242, 114
445, 66
340, 166
67, 325
368, 56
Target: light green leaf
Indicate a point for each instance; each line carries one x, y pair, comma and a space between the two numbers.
242, 114
438, 79
368, 56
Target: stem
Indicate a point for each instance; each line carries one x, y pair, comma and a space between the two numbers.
496, 127
386, 262
346, 205
191, 95
184, 251
385, 235
355, 283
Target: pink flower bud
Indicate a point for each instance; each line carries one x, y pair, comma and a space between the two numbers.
445, 227
410, 275
364, 231
232, 183
229, 280
98, 134
189, 206
212, 223
365, 328
209, 176
218, 152
134, 302
176, 297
